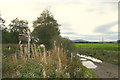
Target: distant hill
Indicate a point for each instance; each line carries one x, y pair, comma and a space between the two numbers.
118, 41
79, 40
84, 41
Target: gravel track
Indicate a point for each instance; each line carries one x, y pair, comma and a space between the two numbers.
106, 70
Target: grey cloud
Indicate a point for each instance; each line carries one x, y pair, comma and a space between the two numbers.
69, 33
102, 7
113, 37
87, 38
105, 28
65, 28
97, 38
108, 35
65, 24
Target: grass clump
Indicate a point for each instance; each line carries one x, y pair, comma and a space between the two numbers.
57, 65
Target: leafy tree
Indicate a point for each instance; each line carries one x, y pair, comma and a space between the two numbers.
45, 29
16, 27
20, 26
3, 29
2, 21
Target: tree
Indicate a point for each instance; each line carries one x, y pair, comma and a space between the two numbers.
16, 27
20, 26
45, 29
3, 30
2, 21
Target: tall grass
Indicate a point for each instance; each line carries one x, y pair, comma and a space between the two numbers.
43, 64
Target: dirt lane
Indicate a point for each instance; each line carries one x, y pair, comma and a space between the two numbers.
106, 70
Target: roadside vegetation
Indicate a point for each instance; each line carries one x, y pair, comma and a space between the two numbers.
105, 51
43, 64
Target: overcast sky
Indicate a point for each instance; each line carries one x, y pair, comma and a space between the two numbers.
79, 19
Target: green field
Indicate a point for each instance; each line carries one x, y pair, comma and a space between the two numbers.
100, 46
105, 51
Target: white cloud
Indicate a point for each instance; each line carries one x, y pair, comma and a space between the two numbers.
82, 17
83, 21
114, 28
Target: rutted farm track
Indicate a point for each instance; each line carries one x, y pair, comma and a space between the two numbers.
106, 70
101, 68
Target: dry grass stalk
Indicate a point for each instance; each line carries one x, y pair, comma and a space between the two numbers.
49, 53
44, 55
21, 50
55, 47
44, 73
62, 52
68, 75
66, 67
14, 57
17, 73
25, 58
25, 49
35, 49
33, 52
39, 51
59, 60
71, 56
25, 52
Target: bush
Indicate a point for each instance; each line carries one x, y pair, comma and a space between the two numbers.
66, 44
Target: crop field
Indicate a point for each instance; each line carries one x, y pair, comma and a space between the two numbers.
100, 46
105, 51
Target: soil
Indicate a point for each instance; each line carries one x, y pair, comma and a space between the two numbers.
106, 70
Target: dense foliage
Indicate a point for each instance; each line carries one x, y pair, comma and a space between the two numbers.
10, 34
9, 37
45, 29
19, 26
67, 44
